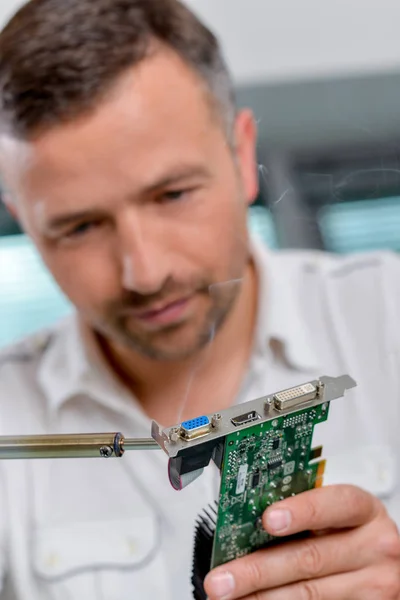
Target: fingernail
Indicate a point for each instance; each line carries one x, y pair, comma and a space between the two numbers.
220, 585
278, 520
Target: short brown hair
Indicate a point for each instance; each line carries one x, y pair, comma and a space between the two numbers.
59, 58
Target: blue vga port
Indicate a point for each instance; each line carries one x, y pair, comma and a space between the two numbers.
195, 428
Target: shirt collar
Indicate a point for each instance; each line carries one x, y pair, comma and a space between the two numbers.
279, 311
73, 365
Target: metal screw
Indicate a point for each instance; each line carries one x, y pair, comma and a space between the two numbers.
267, 405
106, 451
216, 420
174, 435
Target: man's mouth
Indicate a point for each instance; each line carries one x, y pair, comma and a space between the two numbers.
165, 314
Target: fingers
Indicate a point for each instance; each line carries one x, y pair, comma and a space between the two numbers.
360, 535
337, 587
296, 561
371, 584
330, 507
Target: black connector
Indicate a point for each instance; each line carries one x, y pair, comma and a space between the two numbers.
248, 417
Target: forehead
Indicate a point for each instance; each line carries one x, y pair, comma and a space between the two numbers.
156, 115
15, 157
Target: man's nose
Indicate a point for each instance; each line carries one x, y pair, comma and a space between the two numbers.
144, 258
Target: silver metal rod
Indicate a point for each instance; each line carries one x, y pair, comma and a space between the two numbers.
139, 444
85, 445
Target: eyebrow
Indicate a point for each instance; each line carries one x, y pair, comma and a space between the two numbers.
187, 172
179, 174
62, 221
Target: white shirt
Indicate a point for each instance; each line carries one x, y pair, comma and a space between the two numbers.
115, 529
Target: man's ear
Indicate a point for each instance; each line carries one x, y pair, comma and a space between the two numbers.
246, 144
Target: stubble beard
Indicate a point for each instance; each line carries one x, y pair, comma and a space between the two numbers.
167, 344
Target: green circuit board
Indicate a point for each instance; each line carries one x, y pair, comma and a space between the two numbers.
262, 465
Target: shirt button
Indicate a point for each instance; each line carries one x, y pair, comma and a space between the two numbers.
132, 547
53, 560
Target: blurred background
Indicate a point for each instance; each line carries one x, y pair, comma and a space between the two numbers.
323, 79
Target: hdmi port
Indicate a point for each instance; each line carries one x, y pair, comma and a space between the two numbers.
248, 417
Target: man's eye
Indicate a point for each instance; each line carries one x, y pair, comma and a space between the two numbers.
80, 229
174, 195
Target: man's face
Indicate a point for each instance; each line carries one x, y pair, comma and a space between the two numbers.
140, 210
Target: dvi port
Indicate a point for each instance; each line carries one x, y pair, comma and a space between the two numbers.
294, 396
195, 428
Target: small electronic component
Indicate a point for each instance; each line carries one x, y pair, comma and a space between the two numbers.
275, 444
264, 454
256, 478
274, 464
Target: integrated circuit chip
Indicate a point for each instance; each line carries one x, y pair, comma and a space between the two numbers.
275, 443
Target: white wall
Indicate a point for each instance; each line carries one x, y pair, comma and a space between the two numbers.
7, 8
278, 39
286, 39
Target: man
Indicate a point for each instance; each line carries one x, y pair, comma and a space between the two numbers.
127, 163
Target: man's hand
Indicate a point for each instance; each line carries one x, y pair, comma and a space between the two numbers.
353, 554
